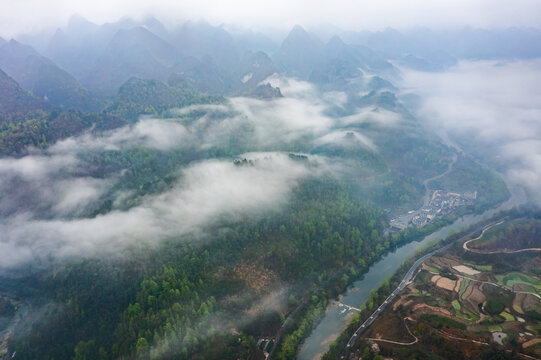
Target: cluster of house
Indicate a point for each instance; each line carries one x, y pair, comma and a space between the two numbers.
442, 203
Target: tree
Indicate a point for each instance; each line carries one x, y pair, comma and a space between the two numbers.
141, 347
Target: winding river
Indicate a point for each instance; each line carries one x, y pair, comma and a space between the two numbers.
337, 316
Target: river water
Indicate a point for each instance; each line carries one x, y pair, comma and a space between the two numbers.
336, 317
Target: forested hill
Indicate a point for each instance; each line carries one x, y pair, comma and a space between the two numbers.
138, 96
15, 102
27, 120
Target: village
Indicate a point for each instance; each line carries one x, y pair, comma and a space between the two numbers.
440, 203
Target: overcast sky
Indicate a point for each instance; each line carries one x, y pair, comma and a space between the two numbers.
18, 16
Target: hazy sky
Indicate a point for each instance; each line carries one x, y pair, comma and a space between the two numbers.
26, 15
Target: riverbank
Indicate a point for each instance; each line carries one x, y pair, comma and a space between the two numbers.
359, 292
478, 299
385, 294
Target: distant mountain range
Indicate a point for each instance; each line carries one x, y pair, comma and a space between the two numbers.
84, 62
104, 57
95, 60
429, 50
43, 78
129, 67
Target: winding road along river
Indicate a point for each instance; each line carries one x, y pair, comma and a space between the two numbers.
337, 317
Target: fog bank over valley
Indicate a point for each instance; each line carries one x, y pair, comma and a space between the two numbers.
490, 107
47, 194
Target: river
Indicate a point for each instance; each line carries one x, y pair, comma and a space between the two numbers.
337, 317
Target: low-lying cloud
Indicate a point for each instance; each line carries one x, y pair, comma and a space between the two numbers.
161, 134
495, 105
207, 191
46, 197
346, 138
47, 183
301, 113
370, 116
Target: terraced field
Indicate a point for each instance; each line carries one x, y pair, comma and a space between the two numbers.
470, 298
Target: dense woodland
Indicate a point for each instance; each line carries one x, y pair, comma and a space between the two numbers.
176, 302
